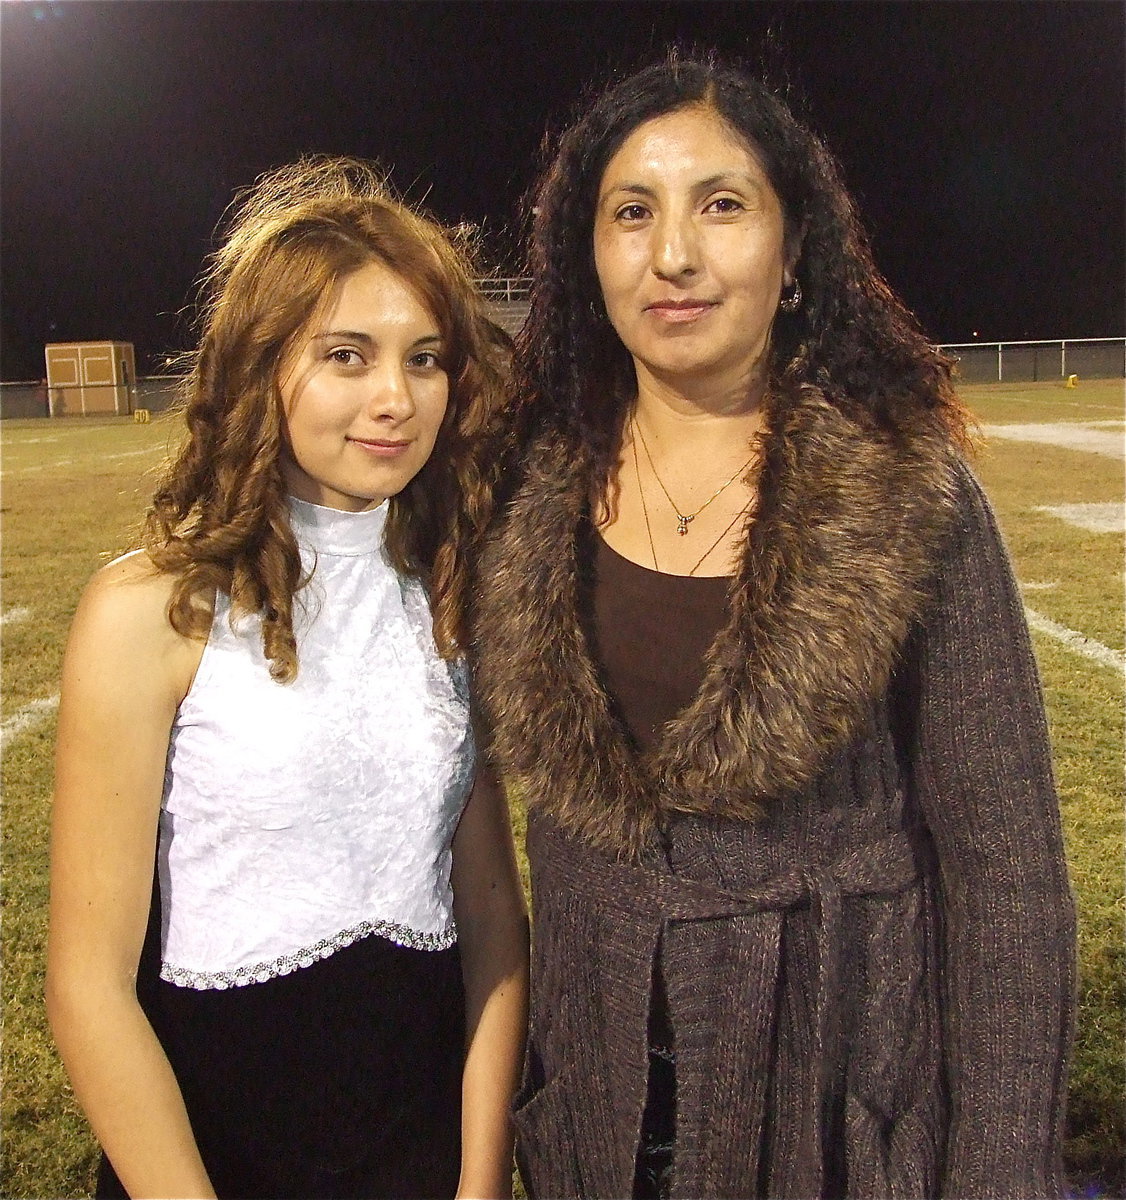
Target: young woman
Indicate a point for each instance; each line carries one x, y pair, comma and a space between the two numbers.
266, 701
751, 648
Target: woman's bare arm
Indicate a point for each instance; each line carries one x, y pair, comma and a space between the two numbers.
124, 675
492, 926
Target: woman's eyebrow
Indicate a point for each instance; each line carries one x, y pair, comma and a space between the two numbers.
712, 181
640, 189
727, 177
366, 340
627, 189
347, 335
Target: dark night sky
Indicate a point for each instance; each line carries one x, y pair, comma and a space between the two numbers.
984, 141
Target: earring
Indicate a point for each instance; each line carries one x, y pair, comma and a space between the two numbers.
792, 302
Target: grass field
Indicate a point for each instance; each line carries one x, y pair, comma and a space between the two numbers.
73, 492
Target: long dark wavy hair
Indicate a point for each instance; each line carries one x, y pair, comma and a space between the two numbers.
219, 517
852, 338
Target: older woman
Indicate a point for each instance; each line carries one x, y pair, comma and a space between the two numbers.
753, 654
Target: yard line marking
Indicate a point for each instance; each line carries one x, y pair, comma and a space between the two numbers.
1095, 518
26, 718
62, 462
131, 453
1081, 644
14, 616
1071, 437
1039, 587
69, 462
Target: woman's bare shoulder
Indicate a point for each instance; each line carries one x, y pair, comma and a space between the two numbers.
135, 567
123, 616
130, 588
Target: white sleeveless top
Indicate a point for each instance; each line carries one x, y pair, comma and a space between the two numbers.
299, 817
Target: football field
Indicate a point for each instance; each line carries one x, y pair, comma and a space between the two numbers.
73, 492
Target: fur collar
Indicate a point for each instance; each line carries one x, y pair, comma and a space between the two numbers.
850, 526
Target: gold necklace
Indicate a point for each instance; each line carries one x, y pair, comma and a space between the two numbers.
683, 519
649, 529
741, 513
644, 506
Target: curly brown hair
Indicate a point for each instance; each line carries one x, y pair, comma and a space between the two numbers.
219, 517
852, 338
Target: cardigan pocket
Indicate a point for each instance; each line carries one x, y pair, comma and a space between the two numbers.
545, 1141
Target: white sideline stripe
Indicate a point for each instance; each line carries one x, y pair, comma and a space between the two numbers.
1094, 518
27, 718
1077, 642
1069, 436
14, 616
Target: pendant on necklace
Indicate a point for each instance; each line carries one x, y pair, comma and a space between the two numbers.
682, 523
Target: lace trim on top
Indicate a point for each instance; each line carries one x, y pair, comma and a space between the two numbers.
263, 972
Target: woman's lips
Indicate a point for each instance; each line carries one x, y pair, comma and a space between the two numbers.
679, 312
380, 448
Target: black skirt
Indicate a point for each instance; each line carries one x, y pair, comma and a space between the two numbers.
342, 1079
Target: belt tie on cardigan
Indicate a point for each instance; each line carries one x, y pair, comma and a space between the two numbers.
884, 866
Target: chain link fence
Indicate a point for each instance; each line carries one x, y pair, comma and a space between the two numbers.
1032, 362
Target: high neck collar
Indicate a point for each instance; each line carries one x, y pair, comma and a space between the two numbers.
333, 531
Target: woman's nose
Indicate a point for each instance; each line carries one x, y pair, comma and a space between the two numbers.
390, 395
676, 247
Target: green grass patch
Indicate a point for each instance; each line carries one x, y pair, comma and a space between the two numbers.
1021, 403
74, 491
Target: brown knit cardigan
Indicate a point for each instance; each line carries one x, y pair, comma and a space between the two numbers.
845, 854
